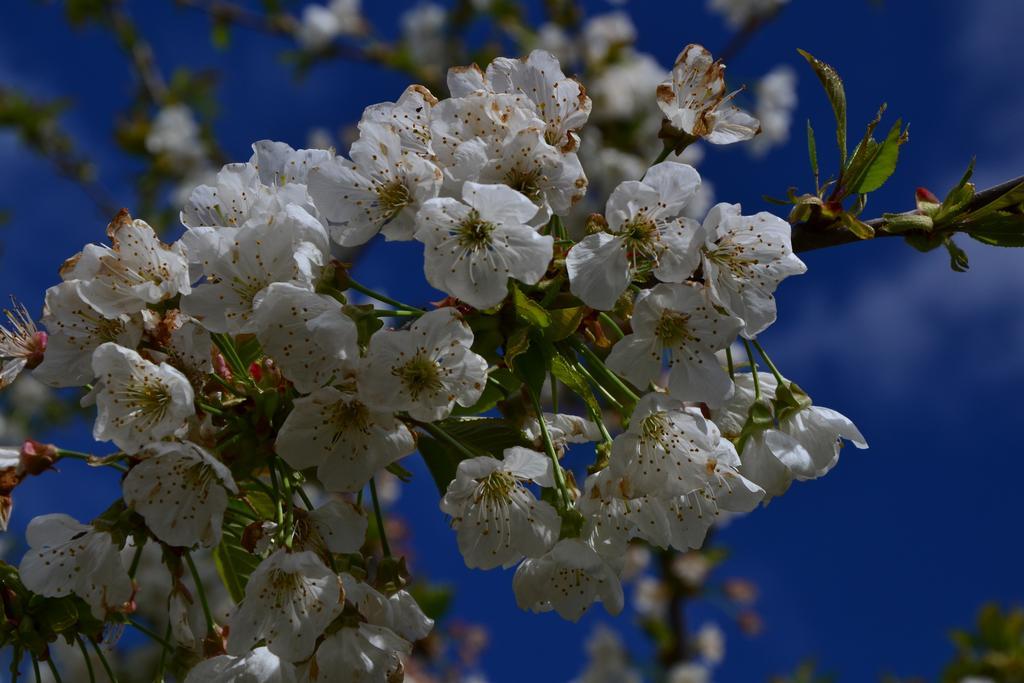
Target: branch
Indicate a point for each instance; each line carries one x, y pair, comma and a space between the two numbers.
280, 24
815, 235
746, 33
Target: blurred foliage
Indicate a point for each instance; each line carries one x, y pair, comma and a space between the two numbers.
993, 649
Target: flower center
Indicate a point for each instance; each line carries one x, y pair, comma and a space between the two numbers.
149, 400
498, 486
673, 329
640, 236
349, 416
475, 233
393, 197
526, 181
420, 376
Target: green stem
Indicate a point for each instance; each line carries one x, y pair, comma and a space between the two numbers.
136, 558
53, 670
207, 408
662, 156
89, 459
607, 320
554, 392
162, 666
728, 359
150, 633
200, 593
103, 661
600, 387
602, 369
289, 516
380, 519
769, 363
227, 386
85, 656
383, 298
227, 349
304, 496
279, 510
753, 370
381, 313
549, 448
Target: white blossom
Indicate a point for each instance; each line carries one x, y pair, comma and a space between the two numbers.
646, 229
66, 557
608, 660
567, 579
379, 190
181, 491
410, 117
563, 429
137, 270
347, 441
605, 33
371, 650
668, 449
74, 330
174, 132
739, 12
289, 601
21, 344
423, 370
137, 401
339, 526
680, 322
258, 666
473, 247
695, 102
240, 263
309, 337
496, 518
744, 259
776, 101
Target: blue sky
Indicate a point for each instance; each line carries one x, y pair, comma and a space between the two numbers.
865, 570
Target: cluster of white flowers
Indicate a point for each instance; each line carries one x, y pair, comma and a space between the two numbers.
229, 366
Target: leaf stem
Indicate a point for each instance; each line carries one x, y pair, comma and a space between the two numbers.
150, 633
85, 656
607, 320
753, 370
602, 369
769, 363
549, 448
728, 359
380, 519
200, 593
103, 661
383, 298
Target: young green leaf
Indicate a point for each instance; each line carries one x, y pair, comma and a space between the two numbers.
833, 85
999, 230
812, 153
883, 163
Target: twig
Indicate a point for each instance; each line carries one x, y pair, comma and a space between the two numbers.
811, 236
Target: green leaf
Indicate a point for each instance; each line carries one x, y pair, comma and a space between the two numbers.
529, 311
812, 152
564, 322
883, 162
441, 461
833, 85
234, 564
518, 342
531, 366
484, 434
564, 369
1008, 199
858, 227
957, 256
1000, 230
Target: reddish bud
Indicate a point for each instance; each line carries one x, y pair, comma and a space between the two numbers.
37, 457
925, 195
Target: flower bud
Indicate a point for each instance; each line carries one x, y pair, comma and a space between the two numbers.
36, 457
595, 223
